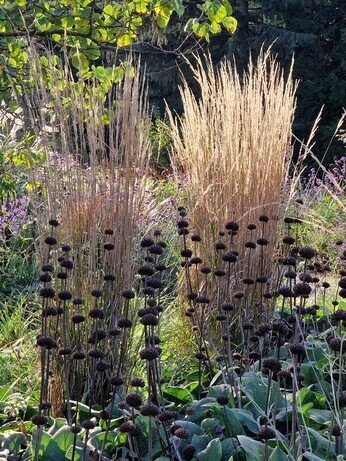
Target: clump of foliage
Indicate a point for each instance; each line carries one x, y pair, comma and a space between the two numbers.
87, 30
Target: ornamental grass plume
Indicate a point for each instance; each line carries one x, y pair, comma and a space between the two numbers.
94, 181
233, 143
95, 175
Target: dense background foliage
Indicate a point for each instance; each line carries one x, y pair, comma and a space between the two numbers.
99, 34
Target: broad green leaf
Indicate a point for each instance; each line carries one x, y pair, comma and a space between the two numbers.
178, 7
163, 12
12, 441
124, 40
194, 388
218, 13
193, 428
76, 455
228, 7
246, 419
64, 438
226, 416
254, 450
113, 437
310, 373
109, 10
320, 445
80, 61
49, 449
213, 452
220, 390
201, 30
312, 457
92, 52
67, 22
255, 388
202, 409
177, 395
99, 71
200, 442
321, 416
227, 446
215, 27
230, 23
58, 424
141, 5
212, 427
56, 37
278, 455
118, 74
5, 391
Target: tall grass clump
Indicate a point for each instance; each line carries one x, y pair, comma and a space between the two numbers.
96, 169
233, 142
94, 184
95, 176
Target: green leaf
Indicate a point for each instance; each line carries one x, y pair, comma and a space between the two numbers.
109, 10
80, 61
220, 390
228, 446
5, 391
118, 74
58, 424
306, 395
310, 373
163, 12
312, 457
200, 442
321, 416
141, 6
228, 417
255, 388
228, 7
78, 453
56, 37
49, 449
200, 30
320, 445
212, 427
124, 40
213, 452
177, 395
178, 7
193, 428
254, 450
194, 388
219, 13
246, 419
215, 27
278, 455
64, 438
99, 72
202, 408
230, 23
12, 441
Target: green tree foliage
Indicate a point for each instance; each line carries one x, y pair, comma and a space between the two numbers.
86, 28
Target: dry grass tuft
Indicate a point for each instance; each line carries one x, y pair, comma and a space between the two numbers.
233, 142
95, 176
